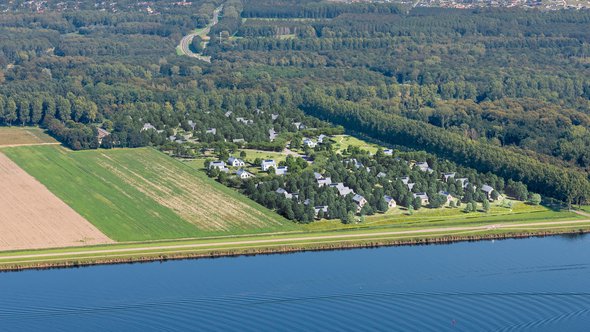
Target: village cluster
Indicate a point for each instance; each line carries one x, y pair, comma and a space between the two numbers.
336, 185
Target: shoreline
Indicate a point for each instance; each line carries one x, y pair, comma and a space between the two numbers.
279, 249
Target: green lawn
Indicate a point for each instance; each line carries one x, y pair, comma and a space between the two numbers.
343, 141
142, 194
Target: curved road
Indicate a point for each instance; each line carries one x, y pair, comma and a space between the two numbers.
186, 40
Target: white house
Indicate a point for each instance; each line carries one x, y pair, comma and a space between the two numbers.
321, 138
423, 198
390, 201
243, 174
342, 189
283, 192
381, 175
147, 126
266, 164
274, 116
464, 182
405, 179
281, 170
447, 196
488, 190
235, 162
309, 143
360, 202
272, 134
411, 186
447, 176
220, 165
322, 208
388, 152
211, 131
324, 182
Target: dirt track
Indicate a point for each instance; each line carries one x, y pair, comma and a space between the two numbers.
32, 217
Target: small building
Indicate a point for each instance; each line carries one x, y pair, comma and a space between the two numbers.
212, 131
243, 174
324, 182
411, 186
464, 182
322, 208
317, 176
272, 134
447, 196
235, 162
342, 189
388, 152
220, 165
283, 192
488, 191
423, 198
239, 141
147, 126
405, 179
390, 201
321, 138
447, 176
281, 170
423, 166
244, 120
228, 113
274, 116
266, 164
101, 134
309, 143
192, 124
381, 175
360, 202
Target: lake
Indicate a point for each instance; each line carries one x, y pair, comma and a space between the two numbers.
538, 284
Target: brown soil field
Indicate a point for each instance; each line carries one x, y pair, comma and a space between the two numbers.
16, 136
31, 217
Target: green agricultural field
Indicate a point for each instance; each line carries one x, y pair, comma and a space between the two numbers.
142, 194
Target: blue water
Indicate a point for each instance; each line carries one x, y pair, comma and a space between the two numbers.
540, 284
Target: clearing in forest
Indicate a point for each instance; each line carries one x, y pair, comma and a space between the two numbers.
15, 136
142, 194
32, 217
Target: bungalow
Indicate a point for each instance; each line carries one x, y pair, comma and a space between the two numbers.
321, 138
322, 208
464, 182
447, 176
390, 201
388, 152
192, 124
239, 141
381, 175
309, 143
317, 176
488, 190
324, 182
228, 113
272, 134
405, 179
297, 125
423, 198
235, 162
266, 164
360, 202
342, 189
423, 166
211, 131
244, 120
274, 116
220, 165
101, 134
411, 186
283, 192
281, 170
243, 174
447, 196
147, 126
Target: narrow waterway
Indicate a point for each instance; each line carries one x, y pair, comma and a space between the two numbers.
540, 284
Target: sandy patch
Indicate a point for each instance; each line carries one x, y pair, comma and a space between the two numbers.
31, 217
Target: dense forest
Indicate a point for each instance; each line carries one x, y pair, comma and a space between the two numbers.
505, 91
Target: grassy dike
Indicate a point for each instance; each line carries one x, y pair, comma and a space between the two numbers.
364, 236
